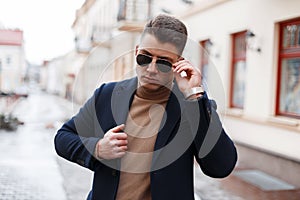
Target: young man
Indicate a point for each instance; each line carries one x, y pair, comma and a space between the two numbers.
140, 136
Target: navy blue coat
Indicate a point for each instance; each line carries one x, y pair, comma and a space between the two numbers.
191, 129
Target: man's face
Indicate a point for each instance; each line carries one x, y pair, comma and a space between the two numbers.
150, 76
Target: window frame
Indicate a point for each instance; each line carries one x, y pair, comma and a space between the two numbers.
204, 55
285, 53
204, 59
8, 60
234, 60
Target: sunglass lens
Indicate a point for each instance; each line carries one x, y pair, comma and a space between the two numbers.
143, 60
164, 66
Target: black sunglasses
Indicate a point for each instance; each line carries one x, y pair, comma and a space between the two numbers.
161, 64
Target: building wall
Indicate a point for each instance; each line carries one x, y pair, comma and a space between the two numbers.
277, 166
110, 51
105, 64
256, 125
43, 76
55, 75
12, 71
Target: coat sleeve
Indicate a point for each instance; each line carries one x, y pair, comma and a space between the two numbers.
77, 138
215, 151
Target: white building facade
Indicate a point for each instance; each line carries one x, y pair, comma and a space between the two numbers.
254, 47
12, 60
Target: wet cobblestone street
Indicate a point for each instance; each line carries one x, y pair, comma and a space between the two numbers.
29, 168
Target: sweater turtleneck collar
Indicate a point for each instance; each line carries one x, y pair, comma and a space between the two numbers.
162, 93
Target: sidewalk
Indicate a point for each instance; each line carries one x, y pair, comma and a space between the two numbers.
207, 188
29, 166
235, 188
250, 191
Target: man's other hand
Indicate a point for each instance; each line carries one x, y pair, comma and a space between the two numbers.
113, 144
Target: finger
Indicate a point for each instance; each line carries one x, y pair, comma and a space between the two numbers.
119, 136
177, 76
180, 61
189, 69
184, 72
123, 148
120, 149
184, 68
122, 142
120, 154
183, 65
118, 128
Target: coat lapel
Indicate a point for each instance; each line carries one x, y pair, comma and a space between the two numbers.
121, 99
169, 122
171, 116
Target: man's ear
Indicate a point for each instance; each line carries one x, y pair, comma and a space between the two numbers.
136, 49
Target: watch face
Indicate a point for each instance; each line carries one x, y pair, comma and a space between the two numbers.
192, 91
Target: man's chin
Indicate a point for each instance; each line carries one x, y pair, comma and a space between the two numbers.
151, 86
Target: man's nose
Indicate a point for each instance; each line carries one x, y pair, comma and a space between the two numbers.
152, 66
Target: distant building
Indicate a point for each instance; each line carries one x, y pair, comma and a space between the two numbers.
106, 33
12, 59
57, 76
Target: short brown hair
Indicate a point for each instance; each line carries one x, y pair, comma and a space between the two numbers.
167, 29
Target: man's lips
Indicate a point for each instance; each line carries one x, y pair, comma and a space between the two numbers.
149, 79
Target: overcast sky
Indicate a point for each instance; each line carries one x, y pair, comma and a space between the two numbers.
46, 25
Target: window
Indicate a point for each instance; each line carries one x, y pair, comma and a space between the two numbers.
238, 70
288, 88
133, 10
8, 60
204, 56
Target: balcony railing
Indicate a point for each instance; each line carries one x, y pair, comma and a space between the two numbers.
101, 33
133, 14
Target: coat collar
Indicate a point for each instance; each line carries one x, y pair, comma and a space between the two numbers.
121, 99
